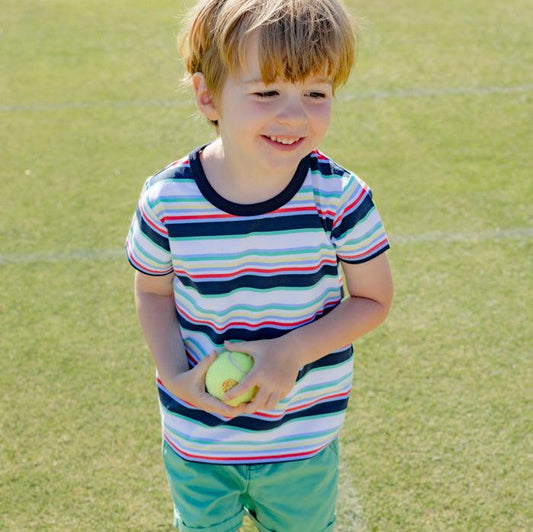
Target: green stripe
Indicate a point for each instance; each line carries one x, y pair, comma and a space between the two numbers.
193, 200
371, 231
251, 431
285, 439
141, 237
248, 308
240, 236
261, 253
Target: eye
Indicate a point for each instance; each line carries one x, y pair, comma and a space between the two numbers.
317, 94
266, 94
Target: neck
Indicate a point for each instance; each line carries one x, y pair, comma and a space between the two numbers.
237, 181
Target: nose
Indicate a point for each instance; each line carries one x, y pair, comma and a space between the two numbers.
292, 111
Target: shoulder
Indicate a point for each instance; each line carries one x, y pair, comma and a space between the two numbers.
169, 180
175, 171
333, 179
320, 163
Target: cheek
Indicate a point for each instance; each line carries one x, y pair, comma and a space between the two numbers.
322, 117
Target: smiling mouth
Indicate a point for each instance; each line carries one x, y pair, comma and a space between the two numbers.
287, 141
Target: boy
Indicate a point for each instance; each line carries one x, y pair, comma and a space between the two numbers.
238, 246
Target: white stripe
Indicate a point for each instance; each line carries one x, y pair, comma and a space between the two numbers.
441, 237
343, 96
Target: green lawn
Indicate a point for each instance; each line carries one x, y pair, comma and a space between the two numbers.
437, 117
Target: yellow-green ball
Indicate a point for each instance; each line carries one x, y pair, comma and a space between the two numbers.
229, 368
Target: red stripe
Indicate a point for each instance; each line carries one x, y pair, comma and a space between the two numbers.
184, 161
155, 227
196, 217
314, 267
303, 406
143, 268
295, 209
368, 252
320, 155
243, 323
259, 324
326, 213
218, 216
352, 204
246, 459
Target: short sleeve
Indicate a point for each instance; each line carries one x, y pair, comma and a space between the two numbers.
147, 244
357, 233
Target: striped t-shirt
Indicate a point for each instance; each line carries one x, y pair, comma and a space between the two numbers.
250, 272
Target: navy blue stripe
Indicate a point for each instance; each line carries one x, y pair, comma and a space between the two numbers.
326, 167
327, 224
172, 172
353, 218
264, 282
240, 333
154, 236
145, 272
242, 226
249, 423
366, 259
232, 333
244, 422
329, 360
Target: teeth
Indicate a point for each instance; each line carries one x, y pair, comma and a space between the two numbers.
284, 141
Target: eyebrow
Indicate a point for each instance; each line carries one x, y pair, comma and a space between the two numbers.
260, 81
255, 81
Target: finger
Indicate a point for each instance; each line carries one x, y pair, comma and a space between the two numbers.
272, 401
213, 405
204, 363
241, 347
246, 384
258, 402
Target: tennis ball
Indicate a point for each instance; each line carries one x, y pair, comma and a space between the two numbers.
229, 368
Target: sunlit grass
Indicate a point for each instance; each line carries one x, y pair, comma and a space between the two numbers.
439, 425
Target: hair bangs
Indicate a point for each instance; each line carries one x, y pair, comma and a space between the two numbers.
289, 53
297, 39
307, 39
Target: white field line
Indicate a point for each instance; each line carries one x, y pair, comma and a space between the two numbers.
362, 95
443, 237
442, 91
350, 513
436, 237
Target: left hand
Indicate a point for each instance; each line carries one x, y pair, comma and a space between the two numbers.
276, 366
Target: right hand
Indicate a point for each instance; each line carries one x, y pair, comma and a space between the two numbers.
190, 386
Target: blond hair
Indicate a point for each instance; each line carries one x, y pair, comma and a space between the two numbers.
297, 38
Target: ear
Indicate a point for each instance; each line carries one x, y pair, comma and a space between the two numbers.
204, 98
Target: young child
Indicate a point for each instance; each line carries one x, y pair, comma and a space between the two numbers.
240, 245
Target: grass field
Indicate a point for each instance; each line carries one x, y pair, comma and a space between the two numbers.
437, 117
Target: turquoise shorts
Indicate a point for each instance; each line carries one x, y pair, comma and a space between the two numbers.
282, 497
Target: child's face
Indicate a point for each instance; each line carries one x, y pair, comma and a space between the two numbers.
272, 127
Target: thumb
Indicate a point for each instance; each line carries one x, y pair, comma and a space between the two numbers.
248, 381
246, 384
205, 362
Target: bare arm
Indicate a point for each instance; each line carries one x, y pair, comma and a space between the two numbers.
370, 292
278, 361
154, 300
